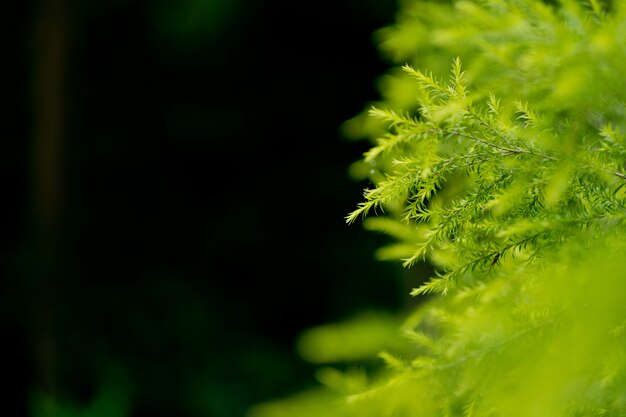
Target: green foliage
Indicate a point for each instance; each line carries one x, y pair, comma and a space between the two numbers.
111, 400
498, 157
359, 338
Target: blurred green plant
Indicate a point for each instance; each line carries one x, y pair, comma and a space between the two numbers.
497, 157
111, 399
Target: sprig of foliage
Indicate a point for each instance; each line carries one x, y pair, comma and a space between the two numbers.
504, 170
514, 200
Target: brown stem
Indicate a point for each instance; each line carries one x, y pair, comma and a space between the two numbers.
50, 37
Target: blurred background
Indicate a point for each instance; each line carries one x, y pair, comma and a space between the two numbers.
175, 186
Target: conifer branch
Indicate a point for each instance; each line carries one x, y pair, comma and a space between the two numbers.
507, 180
620, 175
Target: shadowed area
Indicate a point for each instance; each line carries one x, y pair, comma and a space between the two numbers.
175, 191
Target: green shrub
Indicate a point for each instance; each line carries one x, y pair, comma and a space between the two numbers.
497, 157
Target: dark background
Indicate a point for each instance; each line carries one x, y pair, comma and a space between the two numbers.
175, 191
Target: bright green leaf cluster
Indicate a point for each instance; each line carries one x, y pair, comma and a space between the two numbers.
498, 157
508, 159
